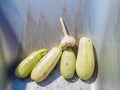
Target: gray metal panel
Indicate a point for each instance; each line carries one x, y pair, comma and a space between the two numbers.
28, 25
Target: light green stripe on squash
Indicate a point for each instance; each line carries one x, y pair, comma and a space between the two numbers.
46, 65
25, 67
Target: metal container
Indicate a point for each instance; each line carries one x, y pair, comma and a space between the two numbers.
28, 25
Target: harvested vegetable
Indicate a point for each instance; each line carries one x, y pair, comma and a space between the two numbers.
67, 64
67, 41
85, 59
46, 64
26, 65
68, 60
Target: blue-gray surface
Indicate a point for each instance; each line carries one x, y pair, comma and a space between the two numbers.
28, 25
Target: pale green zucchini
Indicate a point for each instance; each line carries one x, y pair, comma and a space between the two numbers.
67, 64
46, 65
25, 67
85, 59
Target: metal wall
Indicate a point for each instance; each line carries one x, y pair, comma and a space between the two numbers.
28, 25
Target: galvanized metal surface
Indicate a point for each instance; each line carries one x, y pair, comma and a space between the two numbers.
28, 25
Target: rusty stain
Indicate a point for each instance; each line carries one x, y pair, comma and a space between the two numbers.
79, 21
28, 40
81, 88
57, 86
67, 19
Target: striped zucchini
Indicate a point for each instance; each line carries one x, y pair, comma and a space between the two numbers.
26, 65
85, 59
67, 64
46, 65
